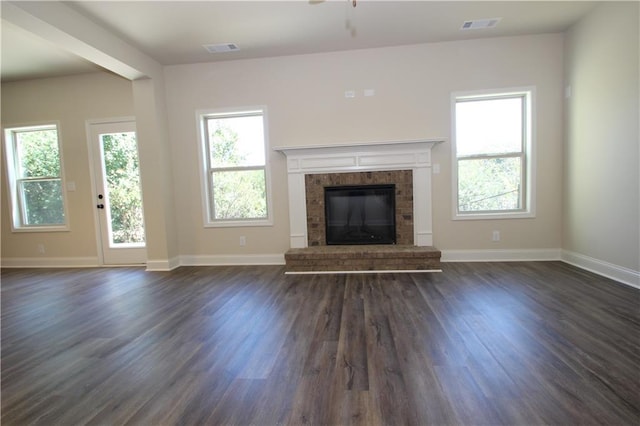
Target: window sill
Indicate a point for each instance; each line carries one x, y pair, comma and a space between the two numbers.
21, 229
493, 215
238, 223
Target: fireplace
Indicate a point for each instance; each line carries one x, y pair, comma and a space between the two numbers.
311, 168
362, 214
315, 201
404, 166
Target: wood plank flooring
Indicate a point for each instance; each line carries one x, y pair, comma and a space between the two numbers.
479, 344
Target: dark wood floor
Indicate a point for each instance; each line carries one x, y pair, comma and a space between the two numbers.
499, 343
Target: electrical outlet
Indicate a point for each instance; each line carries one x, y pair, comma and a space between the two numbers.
41, 248
243, 241
495, 236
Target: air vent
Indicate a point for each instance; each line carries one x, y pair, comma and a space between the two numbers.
479, 24
221, 48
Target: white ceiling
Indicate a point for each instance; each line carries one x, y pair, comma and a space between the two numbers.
174, 32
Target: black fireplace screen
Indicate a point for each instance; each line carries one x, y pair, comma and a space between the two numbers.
360, 214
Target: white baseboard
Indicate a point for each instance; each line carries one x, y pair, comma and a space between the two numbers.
78, 262
152, 264
50, 262
163, 265
600, 267
515, 255
228, 260
606, 269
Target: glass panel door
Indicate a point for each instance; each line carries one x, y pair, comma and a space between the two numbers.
119, 194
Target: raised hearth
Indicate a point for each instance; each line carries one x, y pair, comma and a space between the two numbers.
359, 258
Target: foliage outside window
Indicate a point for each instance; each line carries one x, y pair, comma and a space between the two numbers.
235, 163
120, 152
34, 169
492, 155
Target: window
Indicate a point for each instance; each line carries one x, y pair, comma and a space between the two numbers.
234, 164
34, 167
493, 155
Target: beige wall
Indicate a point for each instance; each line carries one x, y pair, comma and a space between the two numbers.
305, 101
304, 96
602, 205
588, 195
156, 173
70, 101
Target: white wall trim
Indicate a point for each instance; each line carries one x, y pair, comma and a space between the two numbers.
229, 260
503, 255
600, 267
156, 265
163, 264
50, 262
618, 273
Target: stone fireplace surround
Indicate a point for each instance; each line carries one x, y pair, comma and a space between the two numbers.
413, 155
314, 192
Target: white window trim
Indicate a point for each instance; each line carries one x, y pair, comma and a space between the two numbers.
14, 204
529, 149
203, 158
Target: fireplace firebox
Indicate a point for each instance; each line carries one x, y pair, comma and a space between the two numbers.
363, 214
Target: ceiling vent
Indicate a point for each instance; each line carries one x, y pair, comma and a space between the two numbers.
221, 48
480, 24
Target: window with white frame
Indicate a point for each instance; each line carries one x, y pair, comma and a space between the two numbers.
235, 174
34, 171
493, 157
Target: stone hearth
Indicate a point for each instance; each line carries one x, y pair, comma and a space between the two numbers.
362, 258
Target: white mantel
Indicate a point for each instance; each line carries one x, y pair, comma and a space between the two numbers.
412, 155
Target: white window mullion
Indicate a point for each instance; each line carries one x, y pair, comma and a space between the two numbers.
46, 211
489, 156
235, 174
490, 145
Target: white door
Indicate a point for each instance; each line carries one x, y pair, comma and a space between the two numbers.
118, 195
